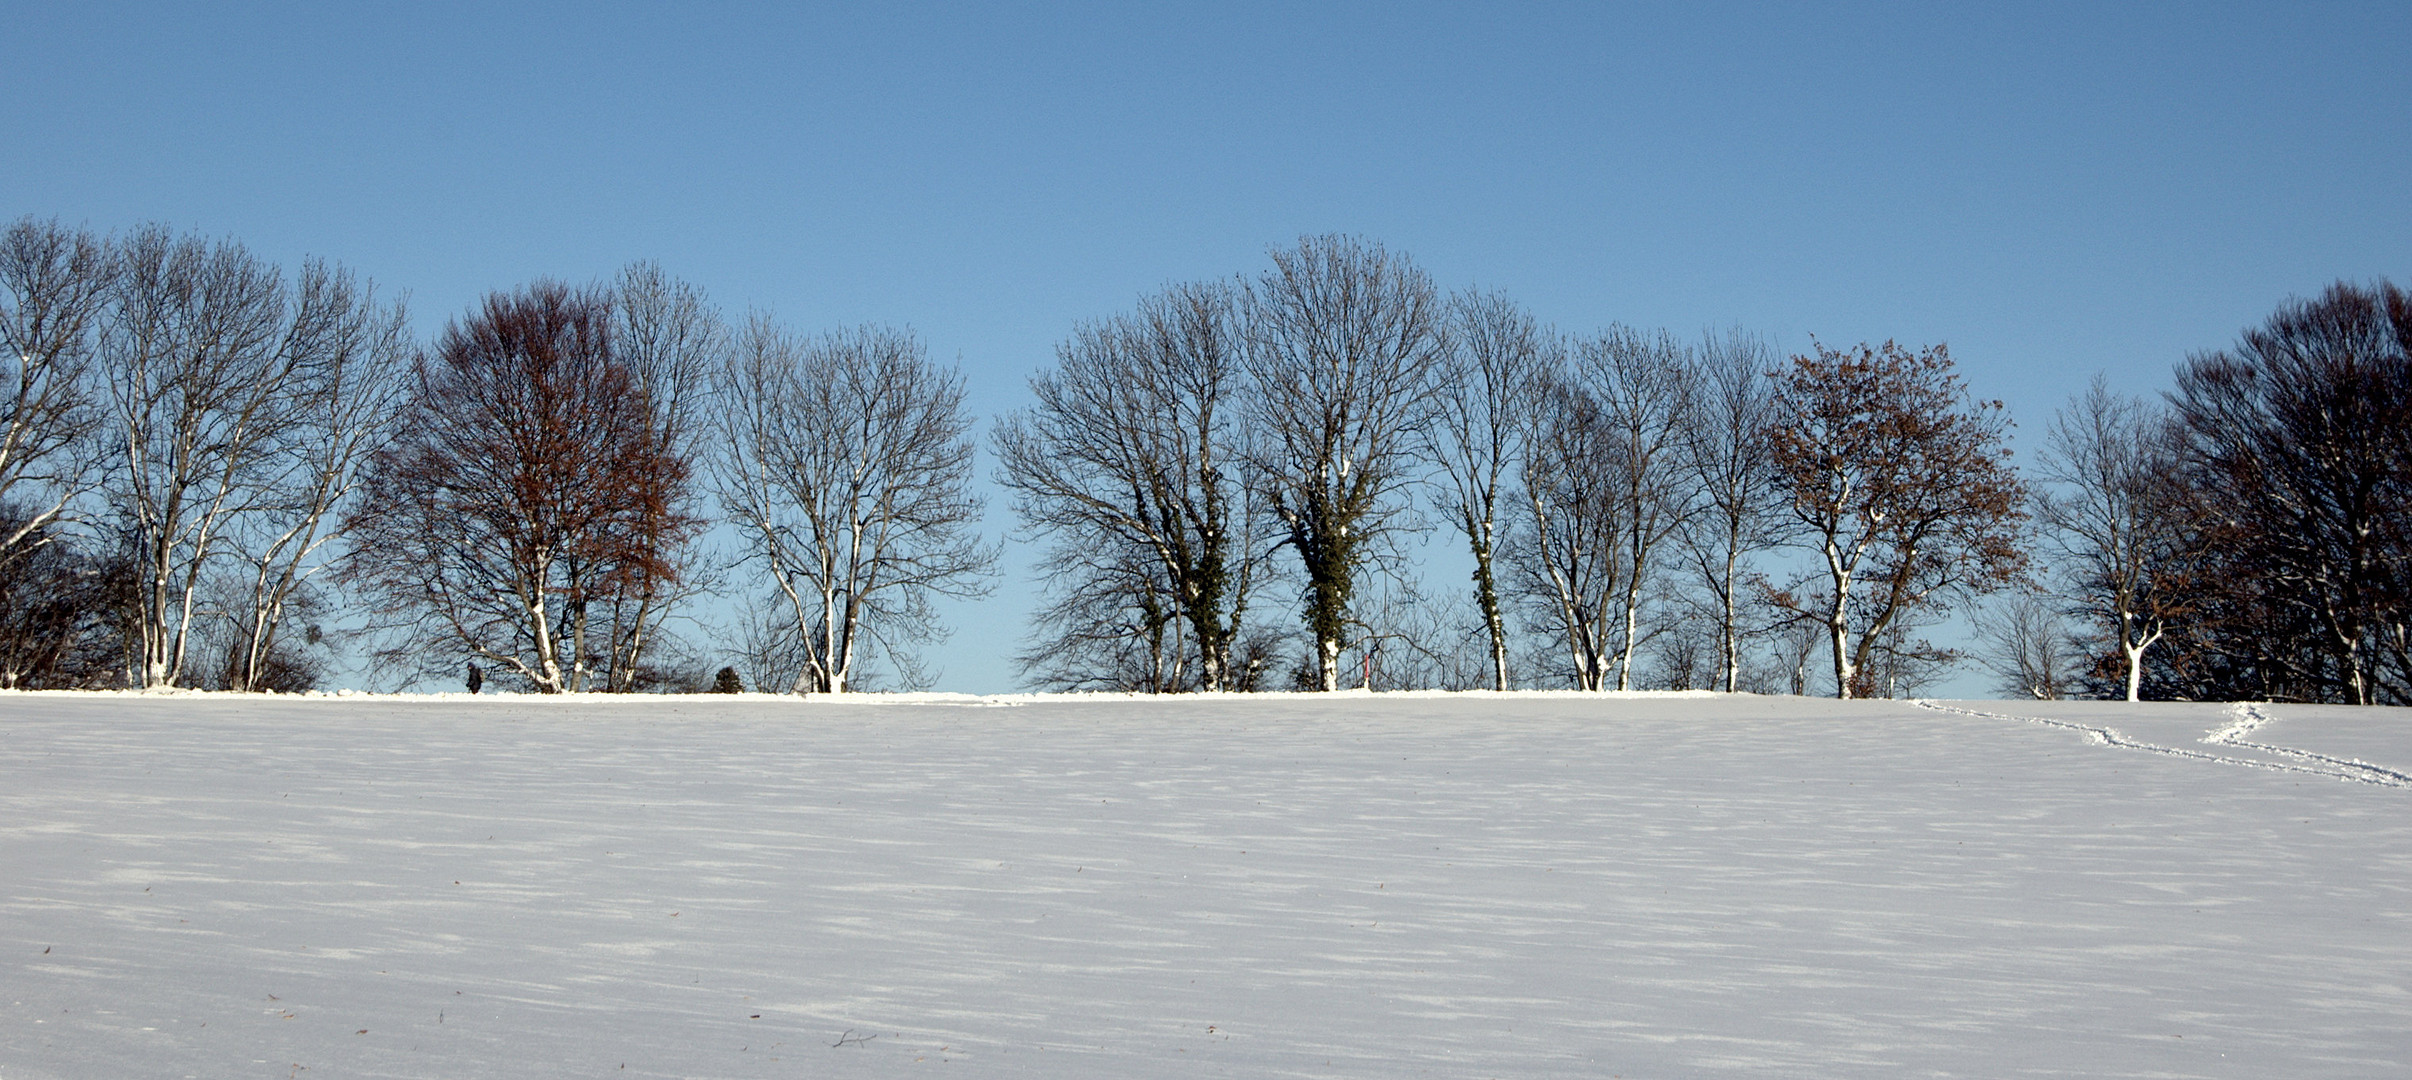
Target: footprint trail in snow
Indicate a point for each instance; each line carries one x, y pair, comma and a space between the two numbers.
2249, 719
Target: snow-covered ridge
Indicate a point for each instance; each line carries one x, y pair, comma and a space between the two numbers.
1310, 885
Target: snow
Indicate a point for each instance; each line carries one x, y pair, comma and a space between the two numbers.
1288, 886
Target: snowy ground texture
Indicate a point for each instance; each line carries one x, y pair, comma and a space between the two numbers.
1346, 886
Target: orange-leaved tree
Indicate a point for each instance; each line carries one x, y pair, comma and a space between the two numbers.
1900, 481
528, 485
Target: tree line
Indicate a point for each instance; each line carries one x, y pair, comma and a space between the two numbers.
217, 474
1285, 434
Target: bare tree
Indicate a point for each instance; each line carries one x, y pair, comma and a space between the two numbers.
1732, 482
1901, 484
349, 355
62, 611
2028, 649
1112, 621
1642, 385
2120, 520
527, 485
1681, 657
1796, 641
672, 342
1567, 556
848, 468
54, 286
1898, 665
764, 636
1408, 641
1131, 459
1342, 337
202, 375
1486, 389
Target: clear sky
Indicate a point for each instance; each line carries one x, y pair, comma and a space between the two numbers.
2053, 190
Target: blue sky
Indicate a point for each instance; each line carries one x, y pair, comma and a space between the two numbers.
2054, 190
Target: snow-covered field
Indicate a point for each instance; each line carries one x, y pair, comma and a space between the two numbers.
1469, 886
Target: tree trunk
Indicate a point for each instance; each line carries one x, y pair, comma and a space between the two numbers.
1844, 670
1729, 640
1486, 599
549, 679
1624, 660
